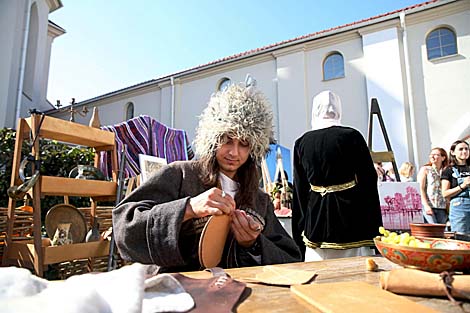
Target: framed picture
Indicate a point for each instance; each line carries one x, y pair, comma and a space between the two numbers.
400, 204
149, 165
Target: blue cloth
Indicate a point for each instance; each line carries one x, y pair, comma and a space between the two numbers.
459, 215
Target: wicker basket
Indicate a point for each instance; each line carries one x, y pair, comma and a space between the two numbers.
23, 228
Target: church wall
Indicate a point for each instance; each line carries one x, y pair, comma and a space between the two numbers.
424, 105
443, 84
11, 23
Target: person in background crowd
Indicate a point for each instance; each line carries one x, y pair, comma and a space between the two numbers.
429, 178
336, 210
282, 196
389, 173
455, 186
161, 221
380, 171
383, 172
406, 172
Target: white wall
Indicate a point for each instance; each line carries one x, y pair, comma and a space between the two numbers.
14, 29
41, 68
384, 81
446, 81
11, 21
193, 95
351, 88
113, 111
292, 110
165, 105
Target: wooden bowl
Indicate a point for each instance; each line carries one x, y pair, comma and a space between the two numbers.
444, 255
427, 230
66, 213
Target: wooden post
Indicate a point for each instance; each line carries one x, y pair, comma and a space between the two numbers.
15, 181
38, 255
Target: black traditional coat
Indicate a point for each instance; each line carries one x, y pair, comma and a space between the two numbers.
338, 220
149, 228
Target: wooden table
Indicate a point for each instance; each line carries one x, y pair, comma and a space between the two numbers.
265, 298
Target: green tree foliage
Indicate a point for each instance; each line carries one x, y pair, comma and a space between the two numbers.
57, 159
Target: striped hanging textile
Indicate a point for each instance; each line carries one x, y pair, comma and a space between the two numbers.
145, 135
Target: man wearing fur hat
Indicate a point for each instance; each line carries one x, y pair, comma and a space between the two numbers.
336, 209
161, 222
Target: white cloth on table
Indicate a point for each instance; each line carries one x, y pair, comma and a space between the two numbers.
18, 282
124, 290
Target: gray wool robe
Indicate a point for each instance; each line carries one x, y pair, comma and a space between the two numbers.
148, 225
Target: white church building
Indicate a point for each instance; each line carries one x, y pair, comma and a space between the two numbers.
415, 61
25, 49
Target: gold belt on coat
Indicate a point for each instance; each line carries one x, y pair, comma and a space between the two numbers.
333, 188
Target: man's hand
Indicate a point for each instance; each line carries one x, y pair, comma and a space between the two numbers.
210, 202
245, 228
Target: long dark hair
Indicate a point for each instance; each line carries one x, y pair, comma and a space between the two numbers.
452, 158
247, 175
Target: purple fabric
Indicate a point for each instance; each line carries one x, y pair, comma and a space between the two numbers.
145, 135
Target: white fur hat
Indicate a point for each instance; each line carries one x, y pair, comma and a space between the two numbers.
241, 112
326, 110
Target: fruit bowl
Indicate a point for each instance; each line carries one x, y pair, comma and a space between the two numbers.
444, 255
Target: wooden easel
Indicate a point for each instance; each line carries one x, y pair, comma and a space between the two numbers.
381, 156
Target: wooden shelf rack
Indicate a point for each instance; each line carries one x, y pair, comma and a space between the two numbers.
37, 252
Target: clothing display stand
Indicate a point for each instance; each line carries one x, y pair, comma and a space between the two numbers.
267, 183
281, 173
37, 252
381, 156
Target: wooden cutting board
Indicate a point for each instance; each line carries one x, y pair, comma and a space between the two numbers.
355, 297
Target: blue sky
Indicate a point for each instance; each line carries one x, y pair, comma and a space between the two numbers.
113, 44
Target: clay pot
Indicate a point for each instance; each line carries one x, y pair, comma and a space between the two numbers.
427, 230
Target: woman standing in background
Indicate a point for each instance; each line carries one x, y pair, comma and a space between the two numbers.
455, 183
406, 172
429, 178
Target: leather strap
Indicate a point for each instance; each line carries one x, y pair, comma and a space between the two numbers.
216, 294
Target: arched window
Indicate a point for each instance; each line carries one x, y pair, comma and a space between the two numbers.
223, 84
333, 66
441, 42
129, 110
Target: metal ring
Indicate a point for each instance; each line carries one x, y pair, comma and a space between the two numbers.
223, 194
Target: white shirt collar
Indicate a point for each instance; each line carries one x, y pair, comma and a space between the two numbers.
228, 185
